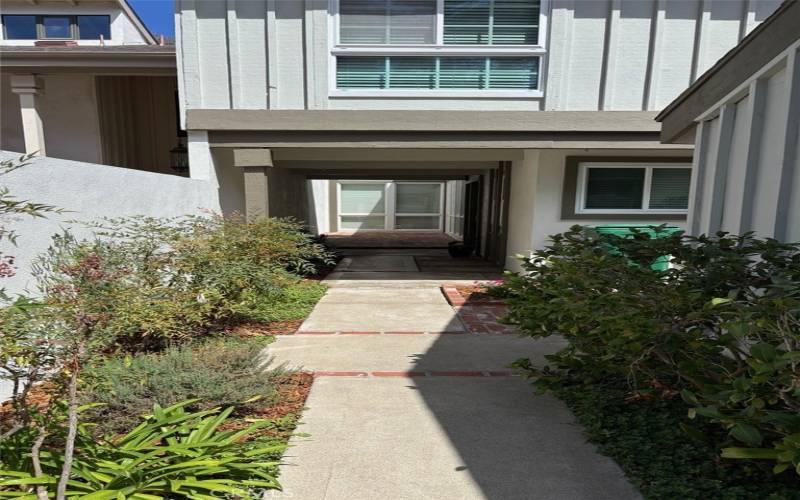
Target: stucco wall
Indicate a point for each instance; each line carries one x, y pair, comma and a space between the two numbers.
88, 192
68, 108
600, 54
747, 165
537, 182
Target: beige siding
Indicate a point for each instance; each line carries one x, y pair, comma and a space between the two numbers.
747, 156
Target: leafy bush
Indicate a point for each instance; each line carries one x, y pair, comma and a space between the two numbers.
720, 327
171, 454
141, 285
648, 440
160, 281
218, 373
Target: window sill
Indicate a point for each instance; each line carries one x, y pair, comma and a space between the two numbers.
626, 216
438, 94
461, 50
631, 212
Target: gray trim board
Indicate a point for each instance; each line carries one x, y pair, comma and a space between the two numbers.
758, 48
435, 175
570, 187
421, 139
420, 121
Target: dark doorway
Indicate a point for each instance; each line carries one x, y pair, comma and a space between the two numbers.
472, 214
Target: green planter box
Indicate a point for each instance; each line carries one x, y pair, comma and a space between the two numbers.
626, 231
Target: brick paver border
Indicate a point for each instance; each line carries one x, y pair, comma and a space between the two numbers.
378, 333
414, 373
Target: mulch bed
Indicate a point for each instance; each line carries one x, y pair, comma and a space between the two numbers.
38, 397
292, 389
256, 329
476, 293
479, 311
292, 392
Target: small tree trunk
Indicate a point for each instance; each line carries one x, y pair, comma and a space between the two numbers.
41, 491
72, 429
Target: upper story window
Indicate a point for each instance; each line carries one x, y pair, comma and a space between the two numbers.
387, 21
19, 28
435, 48
59, 27
56, 27
491, 22
633, 188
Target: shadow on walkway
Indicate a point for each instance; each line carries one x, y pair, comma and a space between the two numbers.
428, 416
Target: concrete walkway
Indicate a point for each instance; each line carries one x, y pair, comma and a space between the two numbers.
407, 405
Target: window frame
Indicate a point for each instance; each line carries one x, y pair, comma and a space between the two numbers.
582, 187
35, 23
74, 29
440, 215
389, 204
386, 207
433, 50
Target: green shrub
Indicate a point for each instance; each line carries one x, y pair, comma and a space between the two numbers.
217, 373
163, 281
720, 327
648, 440
171, 454
295, 302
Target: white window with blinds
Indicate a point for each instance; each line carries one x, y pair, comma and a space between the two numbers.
418, 206
362, 205
438, 48
605, 188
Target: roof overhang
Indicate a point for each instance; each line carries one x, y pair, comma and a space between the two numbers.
425, 129
146, 59
761, 46
420, 121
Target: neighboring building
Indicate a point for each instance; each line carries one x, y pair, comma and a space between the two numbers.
85, 80
743, 117
502, 121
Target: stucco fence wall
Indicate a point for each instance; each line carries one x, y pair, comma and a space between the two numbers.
89, 191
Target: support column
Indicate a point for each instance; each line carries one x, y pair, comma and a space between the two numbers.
254, 163
28, 87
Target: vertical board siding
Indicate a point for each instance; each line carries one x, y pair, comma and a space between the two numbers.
585, 59
633, 51
787, 225
771, 151
751, 181
600, 54
706, 195
212, 48
724, 21
290, 63
792, 231
251, 53
737, 163
674, 70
